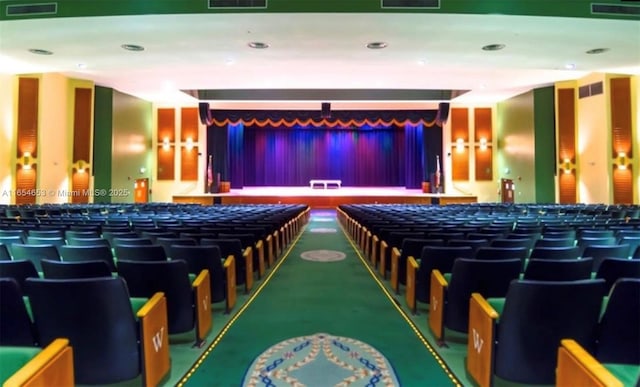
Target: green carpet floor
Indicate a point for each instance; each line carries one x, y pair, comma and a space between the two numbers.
301, 297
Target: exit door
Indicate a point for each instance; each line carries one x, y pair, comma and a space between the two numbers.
507, 189
141, 190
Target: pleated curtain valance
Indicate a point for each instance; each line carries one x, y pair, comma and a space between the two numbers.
313, 118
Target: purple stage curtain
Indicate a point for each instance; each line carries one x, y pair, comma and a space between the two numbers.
293, 156
414, 159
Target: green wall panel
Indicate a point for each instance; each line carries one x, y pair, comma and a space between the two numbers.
102, 144
545, 144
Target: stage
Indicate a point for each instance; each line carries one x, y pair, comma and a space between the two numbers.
320, 197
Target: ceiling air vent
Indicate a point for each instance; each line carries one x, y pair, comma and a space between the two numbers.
589, 90
615, 9
410, 3
32, 9
216, 4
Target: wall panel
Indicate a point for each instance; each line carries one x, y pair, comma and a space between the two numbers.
189, 164
567, 145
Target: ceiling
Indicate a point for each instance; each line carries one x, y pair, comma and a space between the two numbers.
316, 57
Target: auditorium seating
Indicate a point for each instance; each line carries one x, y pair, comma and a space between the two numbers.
243, 259
558, 269
436, 257
188, 305
198, 258
77, 269
519, 341
109, 344
600, 252
612, 269
449, 306
34, 253
89, 252
19, 270
143, 252
16, 326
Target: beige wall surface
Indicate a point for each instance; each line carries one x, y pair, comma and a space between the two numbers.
131, 145
594, 168
515, 139
54, 131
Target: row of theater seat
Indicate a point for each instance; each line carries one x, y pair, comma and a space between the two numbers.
447, 256
99, 296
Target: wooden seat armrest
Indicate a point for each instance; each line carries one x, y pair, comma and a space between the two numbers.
361, 236
438, 288
270, 255
154, 338
395, 261
53, 366
382, 268
247, 255
482, 327
277, 248
367, 245
410, 295
576, 367
374, 250
261, 262
202, 292
229, 266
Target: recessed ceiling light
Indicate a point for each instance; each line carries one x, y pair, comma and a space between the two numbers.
597, 51
132, 47
258, 45
493, 47
81, 66
39, 51
422, 62
376, 45
570, 66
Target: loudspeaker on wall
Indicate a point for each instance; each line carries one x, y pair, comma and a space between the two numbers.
326, 110
443, 112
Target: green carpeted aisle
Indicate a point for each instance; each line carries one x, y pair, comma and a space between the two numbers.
303, 297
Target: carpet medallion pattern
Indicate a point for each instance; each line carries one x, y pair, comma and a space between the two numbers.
321, 360
323, 255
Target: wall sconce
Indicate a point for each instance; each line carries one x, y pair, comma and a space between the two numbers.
460, 145
80, 166
189, 145
26, 160
622, 160
165, 143
483, 143
567, 166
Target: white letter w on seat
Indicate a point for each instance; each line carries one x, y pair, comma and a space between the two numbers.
157, 339
477, 341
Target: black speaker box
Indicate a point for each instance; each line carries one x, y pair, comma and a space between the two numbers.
203, 111
443, 112
326, 110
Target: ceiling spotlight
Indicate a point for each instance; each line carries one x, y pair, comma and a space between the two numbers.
493, 47
132, 47
258, 45
376, 45
39, 51
597, 51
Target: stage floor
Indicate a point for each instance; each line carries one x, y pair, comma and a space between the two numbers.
320, 197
